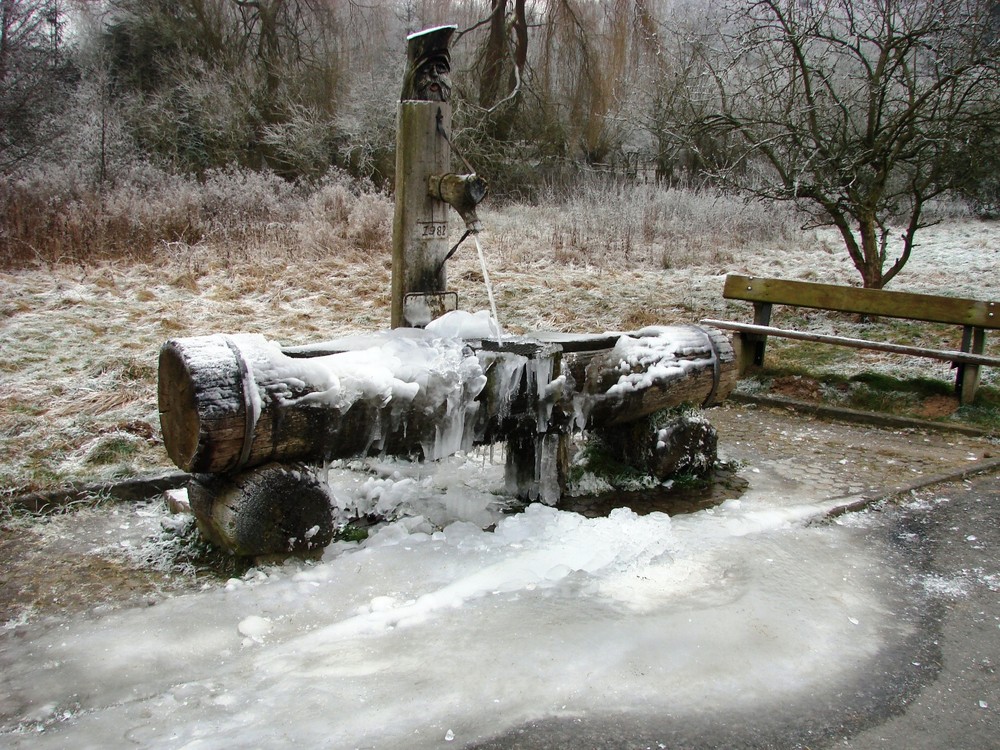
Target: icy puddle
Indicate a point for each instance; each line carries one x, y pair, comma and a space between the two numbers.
419, 638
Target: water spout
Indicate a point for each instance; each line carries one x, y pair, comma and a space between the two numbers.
489, 286
463, 192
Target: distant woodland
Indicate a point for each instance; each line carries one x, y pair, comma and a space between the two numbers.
859, 112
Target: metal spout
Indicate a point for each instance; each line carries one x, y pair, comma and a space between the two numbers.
463, 192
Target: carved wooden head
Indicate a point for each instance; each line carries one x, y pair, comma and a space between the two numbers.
428, 69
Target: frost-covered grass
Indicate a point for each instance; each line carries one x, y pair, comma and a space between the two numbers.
608, 223
80, 336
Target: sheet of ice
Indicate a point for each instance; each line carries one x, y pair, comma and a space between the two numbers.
418, 632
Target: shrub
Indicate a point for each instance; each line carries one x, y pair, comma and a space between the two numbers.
56, 216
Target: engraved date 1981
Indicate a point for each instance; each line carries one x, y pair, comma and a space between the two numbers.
434, 229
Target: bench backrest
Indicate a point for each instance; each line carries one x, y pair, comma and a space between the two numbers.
848, 299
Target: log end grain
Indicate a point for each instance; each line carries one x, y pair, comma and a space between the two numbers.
178, 406
274, 509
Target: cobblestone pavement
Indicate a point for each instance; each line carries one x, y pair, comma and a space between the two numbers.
788, 451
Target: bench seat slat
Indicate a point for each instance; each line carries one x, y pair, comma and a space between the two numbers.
941, 354
926, 307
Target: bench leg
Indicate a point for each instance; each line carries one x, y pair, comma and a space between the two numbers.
967, 376
743, 352
748, 349
754, 343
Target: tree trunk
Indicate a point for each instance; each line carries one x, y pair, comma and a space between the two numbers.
494, 55
865, 256
871, 251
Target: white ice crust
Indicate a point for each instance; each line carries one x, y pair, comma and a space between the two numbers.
437, 626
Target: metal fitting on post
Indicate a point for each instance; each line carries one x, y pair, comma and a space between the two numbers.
461, 191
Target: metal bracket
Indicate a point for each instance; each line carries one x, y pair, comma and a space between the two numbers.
420, 308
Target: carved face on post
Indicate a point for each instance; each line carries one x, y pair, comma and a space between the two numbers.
429, 65
432, 80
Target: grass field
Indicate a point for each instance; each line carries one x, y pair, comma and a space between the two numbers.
79, 337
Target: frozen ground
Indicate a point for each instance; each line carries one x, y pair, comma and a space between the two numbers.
420, 637
79, 346
761, 621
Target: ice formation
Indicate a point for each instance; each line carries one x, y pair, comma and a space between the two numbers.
430, 628
459, 324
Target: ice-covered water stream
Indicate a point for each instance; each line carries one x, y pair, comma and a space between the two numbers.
422, 638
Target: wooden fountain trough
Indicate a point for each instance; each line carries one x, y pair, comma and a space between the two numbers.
251, 419
231, 404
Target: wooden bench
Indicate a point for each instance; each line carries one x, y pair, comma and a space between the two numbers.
974, 316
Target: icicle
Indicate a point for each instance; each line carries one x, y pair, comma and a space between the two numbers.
542, 371
549, 490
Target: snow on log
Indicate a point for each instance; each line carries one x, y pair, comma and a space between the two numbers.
656, 368
230, 402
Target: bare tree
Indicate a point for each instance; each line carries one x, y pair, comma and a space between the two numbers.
31, 73
254, 82
858, 109
676, 90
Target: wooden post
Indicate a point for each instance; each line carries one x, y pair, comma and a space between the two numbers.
420, 223
757, 343
967, 375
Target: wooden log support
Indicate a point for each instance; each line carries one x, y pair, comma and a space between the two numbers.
677, 442
275, 509
668, 366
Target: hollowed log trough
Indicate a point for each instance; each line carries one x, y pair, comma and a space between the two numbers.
236, 408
